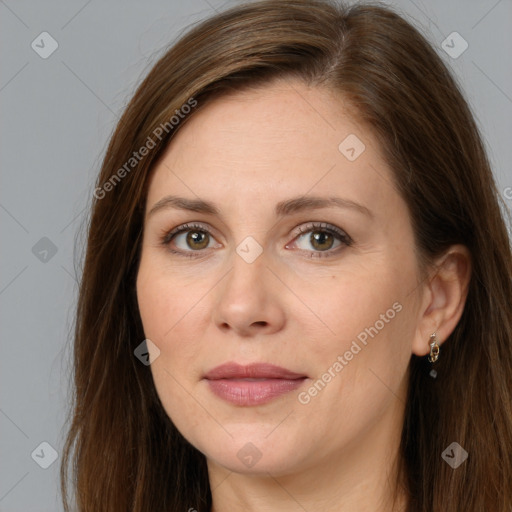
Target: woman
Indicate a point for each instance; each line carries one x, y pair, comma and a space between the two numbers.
297, 285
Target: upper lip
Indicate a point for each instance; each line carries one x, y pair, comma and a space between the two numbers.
251, 371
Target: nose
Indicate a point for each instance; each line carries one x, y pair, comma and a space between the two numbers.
249, 300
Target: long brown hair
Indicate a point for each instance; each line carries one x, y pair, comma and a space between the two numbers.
126, 454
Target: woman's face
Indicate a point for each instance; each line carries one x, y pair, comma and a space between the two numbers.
297, 252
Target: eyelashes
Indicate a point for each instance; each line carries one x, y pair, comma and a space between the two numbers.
323, 228
321, 231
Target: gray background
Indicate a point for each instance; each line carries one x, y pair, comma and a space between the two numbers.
57, 116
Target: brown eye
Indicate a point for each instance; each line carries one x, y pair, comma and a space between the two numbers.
197, 239
321, 240
188, 240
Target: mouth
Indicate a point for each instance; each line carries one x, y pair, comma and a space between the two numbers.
253, 384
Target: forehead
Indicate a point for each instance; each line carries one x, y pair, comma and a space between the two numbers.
279, 140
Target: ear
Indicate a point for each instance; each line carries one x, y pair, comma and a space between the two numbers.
443, 298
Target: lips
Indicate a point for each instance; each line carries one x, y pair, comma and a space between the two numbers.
253, 384
251, 371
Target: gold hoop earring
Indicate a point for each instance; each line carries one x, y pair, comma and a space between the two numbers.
434, 349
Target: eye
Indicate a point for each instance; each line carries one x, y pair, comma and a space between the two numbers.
193, 238
322, 238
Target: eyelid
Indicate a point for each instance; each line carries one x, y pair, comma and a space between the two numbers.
321, 226
187, 226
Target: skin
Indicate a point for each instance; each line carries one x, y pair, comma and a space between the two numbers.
246, 152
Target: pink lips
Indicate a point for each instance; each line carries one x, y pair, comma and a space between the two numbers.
253, 384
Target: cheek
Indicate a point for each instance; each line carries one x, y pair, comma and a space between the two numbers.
369, 378
370, 349
172, 309
164, 302
154, 305
358, 300
166, 313
163, 310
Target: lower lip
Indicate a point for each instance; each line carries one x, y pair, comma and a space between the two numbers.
246, 393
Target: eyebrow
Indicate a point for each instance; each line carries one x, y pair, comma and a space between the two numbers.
282, 208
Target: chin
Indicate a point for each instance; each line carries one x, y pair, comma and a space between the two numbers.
254, 453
